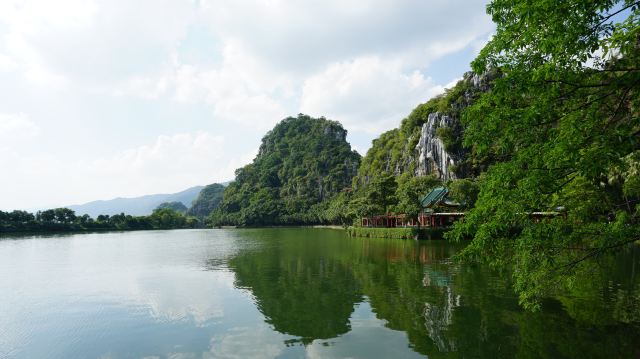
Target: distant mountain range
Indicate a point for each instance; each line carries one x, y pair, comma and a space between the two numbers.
137, 206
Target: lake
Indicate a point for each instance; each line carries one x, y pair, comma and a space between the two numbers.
292, 293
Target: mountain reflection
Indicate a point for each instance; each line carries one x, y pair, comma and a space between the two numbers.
309, 296
307, 282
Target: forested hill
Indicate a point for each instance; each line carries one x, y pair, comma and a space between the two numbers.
301, 164
429, 140
552, 125
208, 200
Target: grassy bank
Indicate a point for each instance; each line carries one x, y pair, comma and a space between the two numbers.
400, 233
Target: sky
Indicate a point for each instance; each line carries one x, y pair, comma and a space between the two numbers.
105, 99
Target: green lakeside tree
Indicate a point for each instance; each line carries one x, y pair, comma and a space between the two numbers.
66, 220
561, 123
410, 192
381, 193
464, 191
338, 210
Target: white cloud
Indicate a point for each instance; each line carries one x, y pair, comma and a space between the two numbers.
264, 343
33, 16
237, 162
306, 35
7, 63
231, 96
100, 76
170, 163
26, 20
240, 90
274, 54
24, 57
92, 44
366, 94
141, 86
15, 127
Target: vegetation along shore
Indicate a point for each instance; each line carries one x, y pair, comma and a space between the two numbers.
537, 149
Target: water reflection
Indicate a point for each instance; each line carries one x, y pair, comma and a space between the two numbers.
299, 288
291, 293
438, 318
308, 287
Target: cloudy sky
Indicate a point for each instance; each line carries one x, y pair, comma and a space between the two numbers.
103, 99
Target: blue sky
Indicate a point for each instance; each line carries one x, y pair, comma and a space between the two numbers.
104, 99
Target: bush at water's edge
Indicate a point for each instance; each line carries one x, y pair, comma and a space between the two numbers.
400, 233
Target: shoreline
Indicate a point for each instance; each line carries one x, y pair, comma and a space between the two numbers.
398, 233
99, 230
362, 232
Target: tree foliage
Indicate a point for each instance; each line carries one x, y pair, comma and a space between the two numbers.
561, 124
65, 219
381, 193
176, 206
464, 191
410, 192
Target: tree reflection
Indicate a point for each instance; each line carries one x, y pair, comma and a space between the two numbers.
299, 289
306, 284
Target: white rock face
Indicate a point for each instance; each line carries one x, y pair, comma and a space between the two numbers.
339, 134
438, 318
432, 157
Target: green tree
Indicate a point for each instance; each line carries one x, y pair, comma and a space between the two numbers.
381, 192
176, 206
20, 216
338, 210
64, 215
410, 192
167, 218
359, 207
562, 127
464, 191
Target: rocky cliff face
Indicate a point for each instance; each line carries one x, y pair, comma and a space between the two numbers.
432, 157
340, 134
429, 140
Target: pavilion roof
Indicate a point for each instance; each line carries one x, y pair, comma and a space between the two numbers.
433, 198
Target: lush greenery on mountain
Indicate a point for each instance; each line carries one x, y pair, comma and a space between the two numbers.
562, 122
550, 125
302, 163
394, 151
387, 180
208, 199
65, 220
176, 206
548, 121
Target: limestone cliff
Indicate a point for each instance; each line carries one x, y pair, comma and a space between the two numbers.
429, 140
432, 157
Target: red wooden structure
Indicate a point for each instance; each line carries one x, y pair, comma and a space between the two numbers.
432, 220
437, 198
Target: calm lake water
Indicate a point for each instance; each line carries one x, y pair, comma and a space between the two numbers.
291, 293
